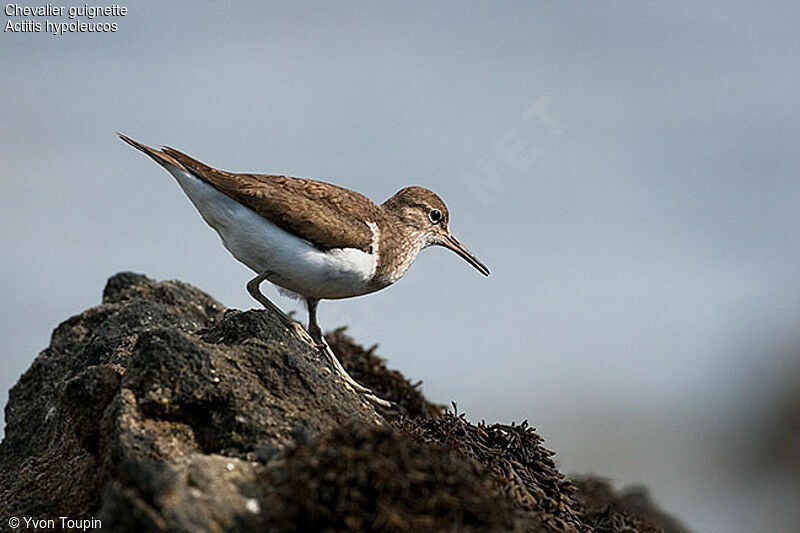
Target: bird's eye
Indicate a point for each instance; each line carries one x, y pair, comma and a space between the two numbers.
435, 215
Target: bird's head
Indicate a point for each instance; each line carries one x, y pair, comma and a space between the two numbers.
426, 218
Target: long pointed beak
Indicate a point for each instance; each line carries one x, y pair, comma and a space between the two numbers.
454, 244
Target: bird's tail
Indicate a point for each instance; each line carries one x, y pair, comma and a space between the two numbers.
159, 156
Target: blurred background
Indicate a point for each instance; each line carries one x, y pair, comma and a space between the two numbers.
628, 170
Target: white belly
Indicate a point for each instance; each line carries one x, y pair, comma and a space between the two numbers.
297, 265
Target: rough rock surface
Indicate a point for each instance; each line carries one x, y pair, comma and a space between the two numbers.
161, 411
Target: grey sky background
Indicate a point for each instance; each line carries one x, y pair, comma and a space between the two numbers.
629, 172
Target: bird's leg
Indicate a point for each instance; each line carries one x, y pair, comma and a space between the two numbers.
313, 327
316, 334
254, 290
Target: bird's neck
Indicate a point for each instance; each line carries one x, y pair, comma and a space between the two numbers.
398, 246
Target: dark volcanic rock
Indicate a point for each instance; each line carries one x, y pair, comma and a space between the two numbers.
608, 511
160, 411
362, 478
522, 468
167, 402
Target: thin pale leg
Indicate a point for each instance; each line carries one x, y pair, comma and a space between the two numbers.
316, 333
254, 290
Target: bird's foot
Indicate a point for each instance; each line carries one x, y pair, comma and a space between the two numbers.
377, 400
358, 387
302, 334
368, 393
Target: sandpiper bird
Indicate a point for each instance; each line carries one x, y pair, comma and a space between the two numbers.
313, 239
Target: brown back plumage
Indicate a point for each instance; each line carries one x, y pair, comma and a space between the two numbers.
326, 215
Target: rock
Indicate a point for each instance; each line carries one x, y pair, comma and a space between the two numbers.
367, 478
513, 454
608, 511
161, 411
149, 390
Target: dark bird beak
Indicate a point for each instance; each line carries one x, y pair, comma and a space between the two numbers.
454, 244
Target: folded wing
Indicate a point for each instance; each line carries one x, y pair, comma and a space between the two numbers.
325, 215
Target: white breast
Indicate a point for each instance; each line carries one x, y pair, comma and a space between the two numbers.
296, 264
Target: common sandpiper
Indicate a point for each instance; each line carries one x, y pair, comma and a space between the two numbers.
314, 240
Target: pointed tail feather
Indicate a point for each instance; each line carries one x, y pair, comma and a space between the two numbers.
158, 156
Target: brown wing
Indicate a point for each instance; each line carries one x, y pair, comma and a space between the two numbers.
326, 215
